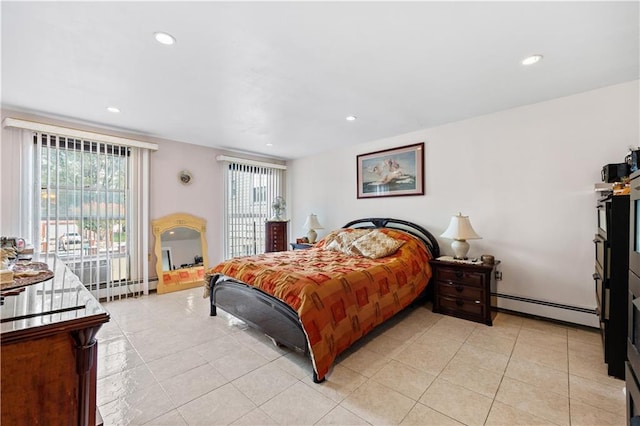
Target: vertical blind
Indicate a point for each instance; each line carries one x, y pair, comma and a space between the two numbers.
90, 203
250, 189
83, 196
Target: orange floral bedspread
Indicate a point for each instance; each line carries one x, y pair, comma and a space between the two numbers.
338, 298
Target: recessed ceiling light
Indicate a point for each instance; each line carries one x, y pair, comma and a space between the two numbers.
531, 59
269, 144
164, 38
113, 109
351, 118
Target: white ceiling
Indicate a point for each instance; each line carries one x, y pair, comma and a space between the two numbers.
242, 75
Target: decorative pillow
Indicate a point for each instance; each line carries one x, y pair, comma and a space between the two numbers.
343, 241
376, 244
328, 239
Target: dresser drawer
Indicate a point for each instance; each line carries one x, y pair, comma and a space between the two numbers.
602, 251
459, 276
276, 236
446, 288
464, 289
459, 305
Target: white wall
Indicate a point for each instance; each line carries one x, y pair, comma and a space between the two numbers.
525, 177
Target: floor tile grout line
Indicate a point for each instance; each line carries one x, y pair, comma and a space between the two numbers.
387, 361
504, 372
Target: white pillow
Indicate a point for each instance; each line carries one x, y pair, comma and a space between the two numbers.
343, 241
377, 244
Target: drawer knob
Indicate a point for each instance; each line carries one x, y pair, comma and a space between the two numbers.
459, 274
459, 302
477, 302
459, 288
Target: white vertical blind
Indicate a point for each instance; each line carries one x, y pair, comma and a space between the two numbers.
91, 209
138, 217
250, 188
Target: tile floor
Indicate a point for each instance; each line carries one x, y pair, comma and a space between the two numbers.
164, 361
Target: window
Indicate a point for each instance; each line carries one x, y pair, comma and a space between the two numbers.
83, 196
83, 212
249, 191
259, 194
83, 191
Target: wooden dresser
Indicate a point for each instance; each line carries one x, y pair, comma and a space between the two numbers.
464, 289
49, 352
276, 235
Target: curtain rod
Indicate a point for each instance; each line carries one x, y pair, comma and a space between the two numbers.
250, 162
75, 133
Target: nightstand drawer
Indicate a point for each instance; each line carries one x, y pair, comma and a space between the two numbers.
458, 305
457, 275
464, 289
459, 290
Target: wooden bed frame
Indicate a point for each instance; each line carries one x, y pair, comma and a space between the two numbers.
275, 318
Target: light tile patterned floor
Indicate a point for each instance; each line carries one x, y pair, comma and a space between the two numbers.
164, 361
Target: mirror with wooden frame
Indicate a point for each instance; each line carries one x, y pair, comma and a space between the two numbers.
181, 251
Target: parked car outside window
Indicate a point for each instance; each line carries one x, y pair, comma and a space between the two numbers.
69, 238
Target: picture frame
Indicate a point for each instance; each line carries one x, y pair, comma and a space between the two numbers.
391, 172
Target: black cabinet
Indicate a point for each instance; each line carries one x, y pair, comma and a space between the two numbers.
611, 279
633, 307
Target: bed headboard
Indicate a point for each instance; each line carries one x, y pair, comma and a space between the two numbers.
416, 230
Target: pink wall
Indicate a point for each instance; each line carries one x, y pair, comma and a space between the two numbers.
203, 197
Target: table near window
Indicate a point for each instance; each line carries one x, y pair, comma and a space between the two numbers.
49, 351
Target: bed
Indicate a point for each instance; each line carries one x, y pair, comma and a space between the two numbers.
321, 300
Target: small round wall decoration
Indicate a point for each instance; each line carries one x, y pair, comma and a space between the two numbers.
185, 177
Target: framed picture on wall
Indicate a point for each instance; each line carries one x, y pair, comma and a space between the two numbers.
392, 172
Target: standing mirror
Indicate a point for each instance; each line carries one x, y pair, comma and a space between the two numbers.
181, 251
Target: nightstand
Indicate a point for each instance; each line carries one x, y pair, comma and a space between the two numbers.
463, 289
300, 246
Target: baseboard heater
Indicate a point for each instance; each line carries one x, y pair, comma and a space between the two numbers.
545, 303
122, 289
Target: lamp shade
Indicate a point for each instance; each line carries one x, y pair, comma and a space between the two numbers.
460, 229
312, 222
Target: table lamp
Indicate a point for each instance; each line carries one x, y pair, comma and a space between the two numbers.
460, 230
311, 224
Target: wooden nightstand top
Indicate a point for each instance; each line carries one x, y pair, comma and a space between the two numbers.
301, 246
450, 261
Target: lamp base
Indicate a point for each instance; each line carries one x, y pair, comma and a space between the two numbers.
460, 249
312, 235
